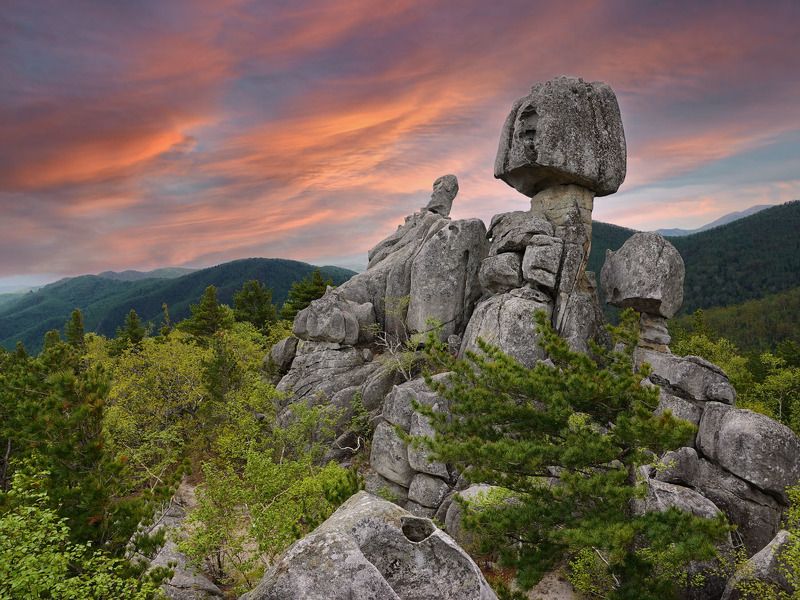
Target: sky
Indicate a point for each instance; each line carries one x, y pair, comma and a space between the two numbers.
151, 133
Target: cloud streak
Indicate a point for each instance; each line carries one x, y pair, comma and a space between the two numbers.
187, 133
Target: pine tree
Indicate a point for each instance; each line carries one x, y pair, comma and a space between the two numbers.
565, 440
253, 303
166, 326
208, 316
129, 335
74, 331
303, 292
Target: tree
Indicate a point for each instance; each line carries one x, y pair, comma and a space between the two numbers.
253, 303
208, 316
130, 334
564, 442
303, 292
74, 330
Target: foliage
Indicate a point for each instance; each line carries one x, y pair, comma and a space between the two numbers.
253, 303
105, 302
39, 560
74, 330
566, 439
754, 326
303, 292
130, 334
208, 316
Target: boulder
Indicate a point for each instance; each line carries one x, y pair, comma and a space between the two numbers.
507, 321
680, 408
419, 458
765, 567
689, 377
371, 549
513, 231
751, 446
542, 260
282, 354
427, 490
334, 319
565, 131
445, 190
378, 485
756, 515
645, 274
321, 369
444, 284
501, 272
389, 455
583, 319
398, 407
661, 496
453, 520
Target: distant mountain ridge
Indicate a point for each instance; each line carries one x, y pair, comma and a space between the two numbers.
131, 275
746, 259
723, 220
105, 301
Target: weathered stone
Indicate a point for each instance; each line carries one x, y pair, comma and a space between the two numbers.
444, 192
444, 283
416, 509
453, 520
564, 131
371, 549
321, 369
680, 408
334, 319
389, 455
501, 272
542, 260
513, 231
377, 386
427, 490
398, 406
689, 377
507, 321
377, 485
756, 515
653, 332
556, 205
751, 446
645, 274
282, 354
419, 458
583, 317
661, 496
572, 275
764, 567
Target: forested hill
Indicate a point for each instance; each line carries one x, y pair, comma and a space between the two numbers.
105, 301
744, 260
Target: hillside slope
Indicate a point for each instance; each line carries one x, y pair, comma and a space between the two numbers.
744, 260
105, 302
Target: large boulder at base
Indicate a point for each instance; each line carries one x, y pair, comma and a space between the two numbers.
444, 283
765, 567
689, 377
645, 274
751, 446
371, 549
564, 131
507, 321
514, 231
756, 515
445, 190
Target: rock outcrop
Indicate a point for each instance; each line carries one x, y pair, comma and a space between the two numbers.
372, 549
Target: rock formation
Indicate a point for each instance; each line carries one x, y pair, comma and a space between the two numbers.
562, 145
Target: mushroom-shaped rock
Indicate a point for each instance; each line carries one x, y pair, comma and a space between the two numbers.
444, 192
371, 549
645, 274
565, 131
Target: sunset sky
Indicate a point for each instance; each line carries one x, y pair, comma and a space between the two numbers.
166, 132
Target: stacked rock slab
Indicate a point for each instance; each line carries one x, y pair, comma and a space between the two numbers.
372, 549
739, 460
